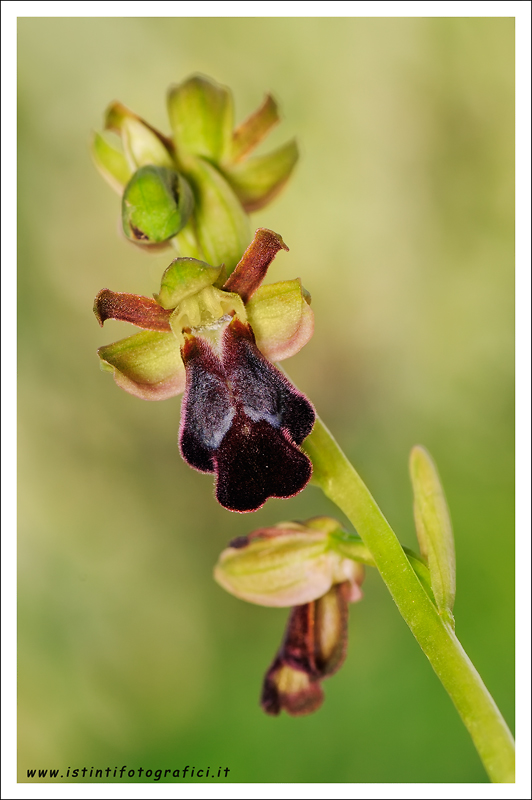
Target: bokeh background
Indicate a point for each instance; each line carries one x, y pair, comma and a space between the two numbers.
400, 223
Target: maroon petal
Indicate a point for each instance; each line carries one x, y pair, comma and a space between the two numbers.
292, 681
141, 311
252, 267
207, 410
265, 393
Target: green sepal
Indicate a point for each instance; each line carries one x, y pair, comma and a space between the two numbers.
434, 530
281, 318
184, 277
222, 226
110, 162
142, 143
201, 116
156, 205
250, 132
256, 181
147, 365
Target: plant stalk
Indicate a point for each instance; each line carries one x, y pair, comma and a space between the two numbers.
340, 482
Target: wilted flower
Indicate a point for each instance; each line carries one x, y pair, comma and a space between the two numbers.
297, 564
241, 417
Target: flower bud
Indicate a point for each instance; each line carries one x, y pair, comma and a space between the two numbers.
156, 205
201, 116
110, 162
222, 225
284, 566
142, 143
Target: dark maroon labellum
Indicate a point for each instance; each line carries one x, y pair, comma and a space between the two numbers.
243, 420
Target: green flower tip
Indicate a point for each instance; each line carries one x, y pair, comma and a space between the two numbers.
201, 183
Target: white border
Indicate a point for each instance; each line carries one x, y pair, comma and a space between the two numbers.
10, 11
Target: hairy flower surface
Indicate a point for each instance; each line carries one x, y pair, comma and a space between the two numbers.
241, 418
297, 564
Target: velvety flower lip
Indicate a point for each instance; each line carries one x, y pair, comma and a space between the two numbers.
243, 420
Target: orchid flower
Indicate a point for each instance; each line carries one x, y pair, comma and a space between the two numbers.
241, 417
299, 565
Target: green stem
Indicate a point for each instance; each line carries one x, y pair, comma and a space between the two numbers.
335, 475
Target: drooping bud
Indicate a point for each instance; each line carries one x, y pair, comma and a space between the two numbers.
287, 565
156, 205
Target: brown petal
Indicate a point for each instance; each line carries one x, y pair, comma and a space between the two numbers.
141, 311
252, 267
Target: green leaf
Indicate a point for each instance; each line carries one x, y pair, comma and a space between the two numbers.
434, 530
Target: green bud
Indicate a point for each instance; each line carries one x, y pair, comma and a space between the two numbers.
184, 277
222, 226
201, 116
142, 143
434, 530
111, 163
156, 205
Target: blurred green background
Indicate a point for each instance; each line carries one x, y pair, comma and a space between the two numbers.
399, 221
